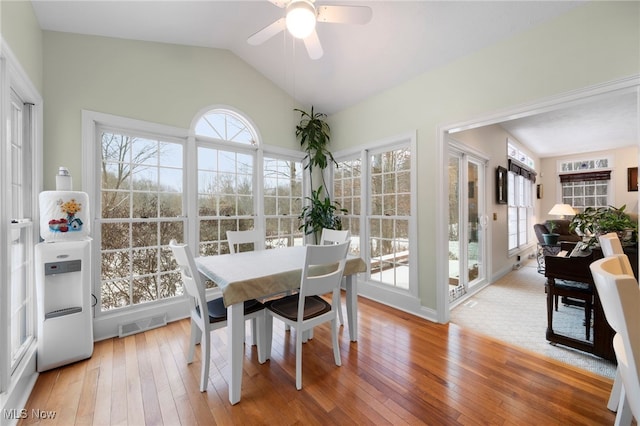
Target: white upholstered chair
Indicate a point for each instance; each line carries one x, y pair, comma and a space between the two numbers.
306, 309
207, 316
236, 238
611, 246
620, 297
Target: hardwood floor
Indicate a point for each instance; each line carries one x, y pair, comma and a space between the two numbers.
403, 370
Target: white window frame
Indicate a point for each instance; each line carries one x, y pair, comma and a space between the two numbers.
354, 249
91, 123
286, 155
523, 204
176, 306
256, 178
15, 380
100, 222
586, 169
391, 295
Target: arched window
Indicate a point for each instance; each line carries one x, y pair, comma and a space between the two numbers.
227, 178
226, 125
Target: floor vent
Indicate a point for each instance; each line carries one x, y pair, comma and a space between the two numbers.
142, 324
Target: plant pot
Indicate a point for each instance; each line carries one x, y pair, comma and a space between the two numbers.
551, 239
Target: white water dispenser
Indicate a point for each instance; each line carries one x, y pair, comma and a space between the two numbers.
63, 276
65, 327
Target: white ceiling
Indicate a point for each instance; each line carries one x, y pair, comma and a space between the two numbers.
608, 122
403, 40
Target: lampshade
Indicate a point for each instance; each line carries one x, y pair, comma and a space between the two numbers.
301, 18
562, 210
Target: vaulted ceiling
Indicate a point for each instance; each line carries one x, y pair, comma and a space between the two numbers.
402, 40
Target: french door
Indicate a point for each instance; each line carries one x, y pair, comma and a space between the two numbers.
467, 222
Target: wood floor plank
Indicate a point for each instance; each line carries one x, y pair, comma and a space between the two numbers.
104, 351
402, 370
118, 409
167, 405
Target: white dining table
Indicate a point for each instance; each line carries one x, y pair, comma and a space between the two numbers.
259, 274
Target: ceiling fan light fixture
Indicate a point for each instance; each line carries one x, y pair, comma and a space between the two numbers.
301, 18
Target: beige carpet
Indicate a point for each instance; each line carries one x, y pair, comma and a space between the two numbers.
513, 309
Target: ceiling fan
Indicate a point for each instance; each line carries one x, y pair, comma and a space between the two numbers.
300, 20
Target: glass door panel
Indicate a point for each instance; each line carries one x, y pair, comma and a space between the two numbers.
467, 223
455, 287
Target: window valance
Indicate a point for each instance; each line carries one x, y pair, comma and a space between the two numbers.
522, 170
588, 176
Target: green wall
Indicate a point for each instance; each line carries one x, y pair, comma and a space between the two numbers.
156, 82
21, 31
590, 45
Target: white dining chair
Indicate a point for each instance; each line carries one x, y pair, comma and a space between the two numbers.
611, 246
333, 236
306, 309
236, 238
207, 316
620, 298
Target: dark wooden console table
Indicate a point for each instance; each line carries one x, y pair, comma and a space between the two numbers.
577, 269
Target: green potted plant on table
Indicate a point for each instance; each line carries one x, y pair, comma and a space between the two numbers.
314, 135
601, 220
551, 238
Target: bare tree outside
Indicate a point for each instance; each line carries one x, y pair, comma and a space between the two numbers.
282, 202
141, 197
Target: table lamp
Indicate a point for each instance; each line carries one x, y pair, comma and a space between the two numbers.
562, 210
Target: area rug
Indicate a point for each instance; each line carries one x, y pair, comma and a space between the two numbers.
513, 310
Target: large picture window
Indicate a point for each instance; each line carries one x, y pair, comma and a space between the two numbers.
375, 186
388, 218
156, 183
141, 210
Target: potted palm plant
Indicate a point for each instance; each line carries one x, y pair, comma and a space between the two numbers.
314, 135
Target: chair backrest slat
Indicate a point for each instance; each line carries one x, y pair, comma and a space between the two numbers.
332, 236
190, 277
236, 238
323, 270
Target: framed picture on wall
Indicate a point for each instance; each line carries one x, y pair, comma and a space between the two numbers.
632, 179
501, 185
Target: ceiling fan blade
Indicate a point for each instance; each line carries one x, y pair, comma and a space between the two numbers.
267, 32
314, 48
344, 14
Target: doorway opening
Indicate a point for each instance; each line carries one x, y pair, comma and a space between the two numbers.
577, 98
